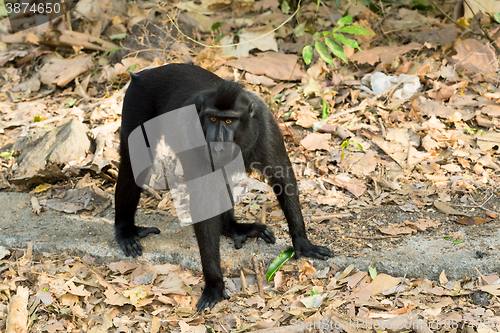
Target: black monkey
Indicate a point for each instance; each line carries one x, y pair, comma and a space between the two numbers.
227, 113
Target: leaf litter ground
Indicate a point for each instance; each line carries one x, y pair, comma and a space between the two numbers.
426, 161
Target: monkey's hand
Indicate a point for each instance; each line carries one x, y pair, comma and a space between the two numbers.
304, 248
239, 232
210, 297
128, 239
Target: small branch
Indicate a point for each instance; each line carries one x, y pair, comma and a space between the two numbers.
263, 217
399, 289
481, 206
448, 16
243, 281
366, 102
372, 237
258, 276
485, 33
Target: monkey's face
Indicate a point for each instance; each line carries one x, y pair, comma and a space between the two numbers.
221, 130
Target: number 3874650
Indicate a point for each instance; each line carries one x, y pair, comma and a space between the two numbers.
32, 8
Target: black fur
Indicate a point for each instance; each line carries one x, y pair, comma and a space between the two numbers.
254, 129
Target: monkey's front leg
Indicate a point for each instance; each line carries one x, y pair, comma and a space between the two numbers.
127, 196
286, 190
208, 234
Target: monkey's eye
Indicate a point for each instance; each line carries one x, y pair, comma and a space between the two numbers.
228, 121
213, 119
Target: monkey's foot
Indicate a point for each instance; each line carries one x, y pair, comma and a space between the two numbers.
210, 297
304, 248
239, 232
128, 239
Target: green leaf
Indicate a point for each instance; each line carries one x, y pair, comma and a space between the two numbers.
323, 52
307, 54
346, 41
299, 29
37, 119
313, 292
497, 17
6, 154
278, 262
356, 30
70, 103
345, 20
317, 36
336, 49
112, 50
358, 146
216, 26
210, 328
337, 2
118, 36
458, 241
285, 7
344, 144
132, 67
325, 110
373, 272
3, 10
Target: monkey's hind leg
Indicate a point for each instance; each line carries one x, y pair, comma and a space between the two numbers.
239, 232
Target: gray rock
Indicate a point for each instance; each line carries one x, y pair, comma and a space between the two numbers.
41, 151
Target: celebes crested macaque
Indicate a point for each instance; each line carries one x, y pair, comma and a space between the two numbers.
227, 113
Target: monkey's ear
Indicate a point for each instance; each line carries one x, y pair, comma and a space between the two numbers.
252, 108
200, 102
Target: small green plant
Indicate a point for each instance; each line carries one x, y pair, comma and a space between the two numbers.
70, 103
216, 27
472, 131
7, 154
325, 109
346, 143
325, 45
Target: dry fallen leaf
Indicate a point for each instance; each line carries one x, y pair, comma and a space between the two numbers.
446, 209
63, 71
472, 220
383, 282
316, 141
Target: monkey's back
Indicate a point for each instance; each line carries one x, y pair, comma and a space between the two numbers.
174, 85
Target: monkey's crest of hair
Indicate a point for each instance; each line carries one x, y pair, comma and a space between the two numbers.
226, 95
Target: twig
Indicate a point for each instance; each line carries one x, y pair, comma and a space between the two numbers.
327, 217
366, 102
243, 281
481, 275
448, 16
263, 217
485, 33
382, 127
399, 289
294, 138
258, 276
373, 237
481, 206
